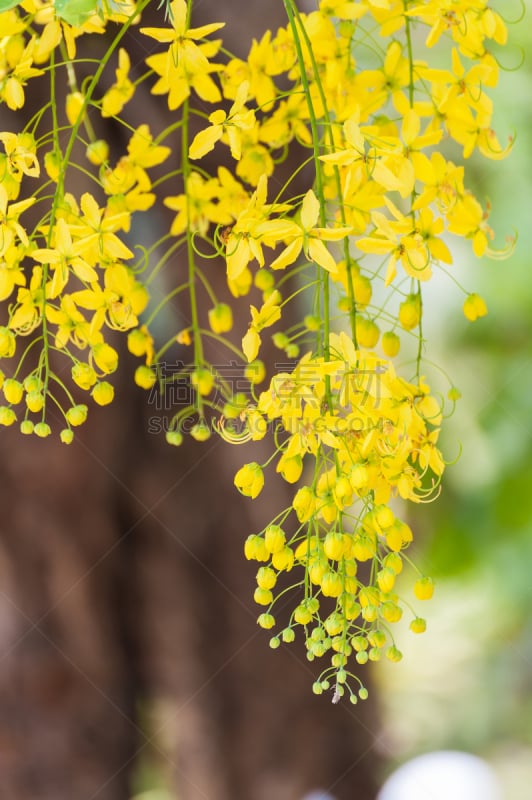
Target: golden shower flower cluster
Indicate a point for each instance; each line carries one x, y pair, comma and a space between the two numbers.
376, 108
371, 436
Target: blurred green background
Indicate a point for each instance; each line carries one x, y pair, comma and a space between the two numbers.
467, 683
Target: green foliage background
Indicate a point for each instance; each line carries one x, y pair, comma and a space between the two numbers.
466, 684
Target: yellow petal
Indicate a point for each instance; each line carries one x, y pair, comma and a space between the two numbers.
318, 253
310, 209
251, 344
204, 141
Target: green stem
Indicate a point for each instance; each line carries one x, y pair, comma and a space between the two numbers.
409, 48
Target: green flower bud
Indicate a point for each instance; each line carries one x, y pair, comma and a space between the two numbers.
42, 429
174, 438
266, 621
26, 427
66, 436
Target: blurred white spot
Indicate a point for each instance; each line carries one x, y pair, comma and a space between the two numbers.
445, 775
319, 795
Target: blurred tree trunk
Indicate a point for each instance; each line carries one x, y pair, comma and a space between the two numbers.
123, 581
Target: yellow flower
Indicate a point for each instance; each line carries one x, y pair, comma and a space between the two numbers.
75, 107
355, 152
77, 415
71, 324
140, 343
305, 236
28, 310
474, 307
64, 254
253, 228
268, 315
21, 154
145, 377
401, 241
249, 480
256, 159
98, 152
83, 375
11, 273
121, 91
196, 210
103, 393
288, 121
468, 219
105, 357
424, 588
290, 467
232, 124
96, 233
15, 71
183, 49
143, 152
185, 64
8, 343
7, 416
256, 70
221, 318
13, 391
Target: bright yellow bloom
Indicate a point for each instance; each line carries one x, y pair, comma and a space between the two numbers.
268, 315
97, 231
185, 65
71, 324
15, 65
289, 121
221, 318
401, 241
28, 310
256, 71
197, 210
83, 375
21, 154
252, 230
305, 236
249, 480
142, 150
8, 344
424, 588
75, 108
474, 307
76, 415
183, 50
232, 124
62, 256
121, 91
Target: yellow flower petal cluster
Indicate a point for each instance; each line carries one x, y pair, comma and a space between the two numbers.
71, 279
338, 202
376, 441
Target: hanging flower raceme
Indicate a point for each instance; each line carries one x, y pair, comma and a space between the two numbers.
364, 437
347, 242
